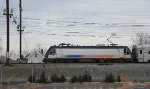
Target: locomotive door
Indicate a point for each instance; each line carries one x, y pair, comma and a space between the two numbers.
141, 55
146, 55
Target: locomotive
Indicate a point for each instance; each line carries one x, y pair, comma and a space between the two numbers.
99, 53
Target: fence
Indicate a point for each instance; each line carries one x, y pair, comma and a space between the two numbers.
19, 73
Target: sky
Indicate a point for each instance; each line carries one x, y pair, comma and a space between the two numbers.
79, 22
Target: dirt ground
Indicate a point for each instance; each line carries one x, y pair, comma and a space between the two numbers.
96, 85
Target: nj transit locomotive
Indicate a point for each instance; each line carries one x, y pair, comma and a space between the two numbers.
68, 53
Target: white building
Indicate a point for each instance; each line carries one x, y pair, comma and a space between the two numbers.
35, 57
143, 53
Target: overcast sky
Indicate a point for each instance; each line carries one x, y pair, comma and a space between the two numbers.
87, 22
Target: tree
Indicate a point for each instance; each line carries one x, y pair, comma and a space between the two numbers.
62, 78
12, 54
74, 79
141, 38
25, 53
109, 78
43, 78
134, 53
55, 78
1, 48
40, 49
32, 79
80, 79
2, 59
118, 78
87, 77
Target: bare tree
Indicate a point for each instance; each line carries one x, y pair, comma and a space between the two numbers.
13, 55
25, 53
41, 49
2, 58
142, 38
38, 46
1, 48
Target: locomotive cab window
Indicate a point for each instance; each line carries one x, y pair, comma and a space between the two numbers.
126, 51
52, 52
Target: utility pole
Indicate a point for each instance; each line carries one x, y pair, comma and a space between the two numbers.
20, 26
8, 15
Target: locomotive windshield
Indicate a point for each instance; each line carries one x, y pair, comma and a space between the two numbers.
126, 51
52, 52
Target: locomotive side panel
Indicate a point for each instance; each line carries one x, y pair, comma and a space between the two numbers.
87, 53
94, 54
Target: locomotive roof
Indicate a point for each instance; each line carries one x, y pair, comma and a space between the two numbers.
88, 47
144, 46
95, 47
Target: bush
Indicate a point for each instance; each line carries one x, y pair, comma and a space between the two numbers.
74, 79
32, 79
118, 79
43, 78
82, 78
55, 78
109, 78
86, 77
62, 78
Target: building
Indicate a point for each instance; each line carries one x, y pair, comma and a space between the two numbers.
35, 57
143, 52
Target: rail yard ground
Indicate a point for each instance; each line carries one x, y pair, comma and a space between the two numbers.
136, 74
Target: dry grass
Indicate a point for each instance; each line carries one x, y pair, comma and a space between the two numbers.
127, 85
32, 86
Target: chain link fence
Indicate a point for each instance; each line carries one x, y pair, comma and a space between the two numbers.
19, 73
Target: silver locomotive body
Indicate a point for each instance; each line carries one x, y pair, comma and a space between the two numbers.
88, 54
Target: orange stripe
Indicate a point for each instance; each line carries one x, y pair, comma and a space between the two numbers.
104, 56
97, 56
